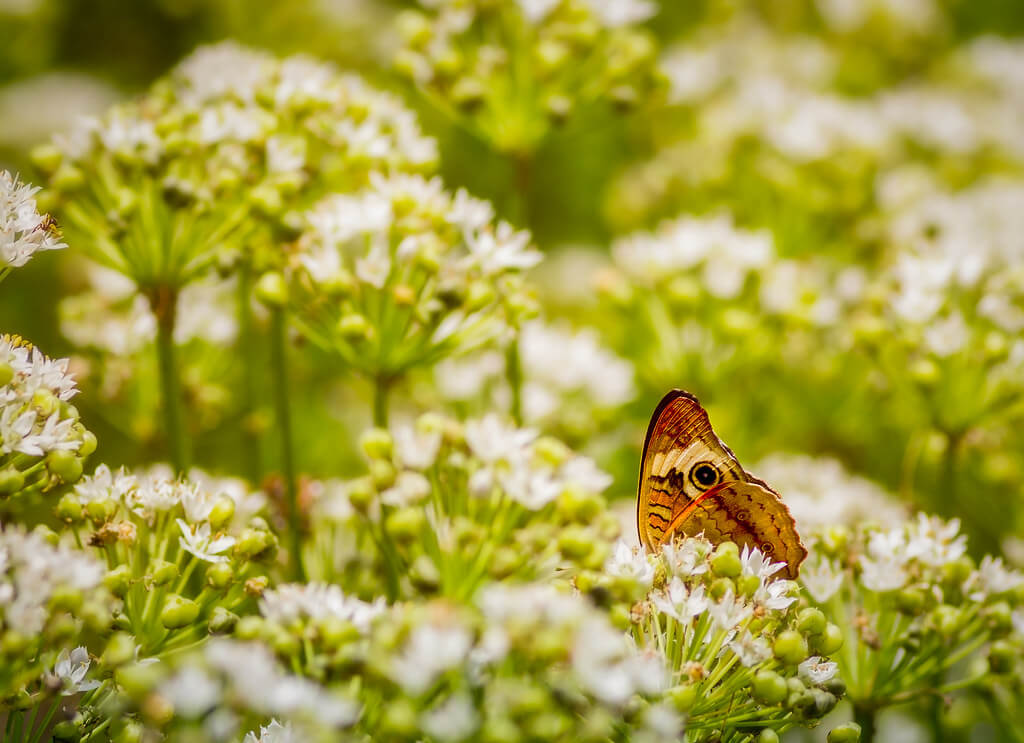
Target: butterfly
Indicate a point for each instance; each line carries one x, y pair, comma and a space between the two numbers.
691, 483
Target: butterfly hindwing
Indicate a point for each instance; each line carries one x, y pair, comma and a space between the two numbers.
683, 464
749, 515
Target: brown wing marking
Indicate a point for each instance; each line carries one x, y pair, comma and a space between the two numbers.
748, 515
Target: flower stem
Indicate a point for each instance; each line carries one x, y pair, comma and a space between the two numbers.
514, 372
381, 388
865, 717
164, 301
247, 347
282, 409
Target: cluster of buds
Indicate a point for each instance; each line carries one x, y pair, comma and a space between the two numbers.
447, 507
914, 609
232, 138
185, 556
403, 274
512, 71
742, 651
49, 594
42, 441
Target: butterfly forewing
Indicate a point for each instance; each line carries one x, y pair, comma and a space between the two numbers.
683, 462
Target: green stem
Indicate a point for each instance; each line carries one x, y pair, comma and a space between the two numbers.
865, 717
514, 372
40, 729
164, 302
250, 365
282, 409
381, 388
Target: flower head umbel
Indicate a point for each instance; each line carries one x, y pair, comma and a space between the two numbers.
725, 623
42, 442
23, 230
453, 52
454, 504
403, 273
46, 592
208, 541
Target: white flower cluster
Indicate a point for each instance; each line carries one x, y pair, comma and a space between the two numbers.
32, 572
251, 114
509, 461
289, 602
893, 557
558, 365
71, 669
247, 674
193, 503
35, 418
820, 492
724, 254
23, 230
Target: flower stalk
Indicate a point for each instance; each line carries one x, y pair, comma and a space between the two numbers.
164, 302
282, 410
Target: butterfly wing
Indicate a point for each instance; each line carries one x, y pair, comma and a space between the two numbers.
749, 515
682, 460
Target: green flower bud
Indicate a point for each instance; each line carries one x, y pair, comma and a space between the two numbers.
382, 473
118, 580
726, 563
834, 540
45, 402
257, 585
558, 108
424, 574
828, 642
221, 513
575, 542
811, 621
66, 599
67, 178
138, 678
88, 445
354, 327
162, 572
178, 612
747, 585
361, 494
720, 587
335, 632
284, 643
824, 702
96, 614
14, 643
67, 730
767, 736
1001, 656
790, 647
400, 719
68, 508
252, 542
249, 628
506, 561
999, 616
414, 28
11, 481
835, 686
6, 373
468, 92
947, 619
100, 511
222, 621
377, 443
924, 371
46, 157
846, 733
130, 732
266, 199
551, 451
502, 730
956, 572
769, 687
219, 575
683, 697
910, 600
405, 524
120, 650
272, 290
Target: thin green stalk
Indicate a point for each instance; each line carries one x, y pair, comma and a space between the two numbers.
514, 372
865, 717
250, 365
282, 409
164, 302
41, 728
381, 388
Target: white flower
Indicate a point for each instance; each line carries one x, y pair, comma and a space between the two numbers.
630, 563
817, 670
23, 230
531, 488
292, 601
991, 579
191, 691
750, 650
500, 249
409, 488
676, 601
454, 719
774, 595
883, 575
822, 578
754, 562
610, 667
430, 651
198, 541
275, 732
729, 611
935, 542
71, 668
615, 13
491, 440
416, 448
686, 557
